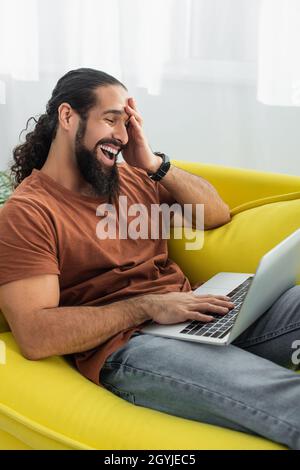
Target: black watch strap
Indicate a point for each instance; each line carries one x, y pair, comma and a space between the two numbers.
163, 169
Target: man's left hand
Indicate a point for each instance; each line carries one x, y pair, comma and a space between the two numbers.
137, 151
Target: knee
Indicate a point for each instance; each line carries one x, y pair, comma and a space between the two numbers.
285, 311
290, 304
292, 295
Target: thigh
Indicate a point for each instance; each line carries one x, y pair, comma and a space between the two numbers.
224, 386
275, 334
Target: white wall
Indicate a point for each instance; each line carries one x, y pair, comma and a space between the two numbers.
223, 124
196, 121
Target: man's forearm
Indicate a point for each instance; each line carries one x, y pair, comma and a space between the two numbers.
66, 330
187, 188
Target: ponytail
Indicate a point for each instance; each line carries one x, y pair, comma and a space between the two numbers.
33, 153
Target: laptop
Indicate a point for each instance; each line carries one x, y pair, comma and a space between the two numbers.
252, 294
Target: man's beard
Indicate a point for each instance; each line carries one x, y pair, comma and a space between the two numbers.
102, 183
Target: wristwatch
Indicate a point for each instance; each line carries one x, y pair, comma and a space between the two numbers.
163, 169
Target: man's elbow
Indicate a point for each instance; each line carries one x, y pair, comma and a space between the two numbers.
29, 348
30, 353
226, 215
29, 356
219, 218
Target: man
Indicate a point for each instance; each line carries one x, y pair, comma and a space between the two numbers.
74, 293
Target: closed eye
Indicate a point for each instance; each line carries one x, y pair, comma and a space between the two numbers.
126, 124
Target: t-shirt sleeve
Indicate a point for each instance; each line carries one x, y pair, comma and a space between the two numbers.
28, 244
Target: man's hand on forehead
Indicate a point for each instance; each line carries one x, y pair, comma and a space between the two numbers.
137, 152
131, 110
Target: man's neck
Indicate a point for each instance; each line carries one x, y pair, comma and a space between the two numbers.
63, 170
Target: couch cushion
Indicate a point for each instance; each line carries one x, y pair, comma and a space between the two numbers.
238, 246
47, 404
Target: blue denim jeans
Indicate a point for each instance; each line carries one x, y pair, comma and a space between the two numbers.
249, 386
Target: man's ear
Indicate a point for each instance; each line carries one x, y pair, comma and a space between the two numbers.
65, 114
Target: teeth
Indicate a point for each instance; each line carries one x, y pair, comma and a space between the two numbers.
109, 149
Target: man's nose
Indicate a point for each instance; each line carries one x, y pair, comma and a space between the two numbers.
120, 133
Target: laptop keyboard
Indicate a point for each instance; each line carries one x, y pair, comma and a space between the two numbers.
222, 324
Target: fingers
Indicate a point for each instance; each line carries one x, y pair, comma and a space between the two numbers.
131, 109
218, 306
207, 307
132, 103
224, 303
219, 309
137, 116
200, 317
219, 300
222, 297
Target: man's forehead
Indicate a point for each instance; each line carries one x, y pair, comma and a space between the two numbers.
112, 99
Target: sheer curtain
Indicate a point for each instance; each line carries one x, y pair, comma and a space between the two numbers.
142, 39
19, 42
123, 37
278, 53
199, 68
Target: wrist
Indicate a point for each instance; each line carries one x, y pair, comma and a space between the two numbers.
155, 164
139, 307
163, 169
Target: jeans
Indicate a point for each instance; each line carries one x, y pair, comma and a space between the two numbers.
249, 386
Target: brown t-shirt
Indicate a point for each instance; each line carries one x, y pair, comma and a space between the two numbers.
47, 229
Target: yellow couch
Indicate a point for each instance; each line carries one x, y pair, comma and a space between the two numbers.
47, 404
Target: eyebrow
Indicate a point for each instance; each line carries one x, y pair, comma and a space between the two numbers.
114, 111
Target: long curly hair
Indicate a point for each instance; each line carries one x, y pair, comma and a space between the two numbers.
76, 88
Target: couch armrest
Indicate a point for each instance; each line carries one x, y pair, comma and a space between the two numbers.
237, 186
238, 245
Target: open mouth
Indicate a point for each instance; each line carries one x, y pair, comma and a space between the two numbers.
106, 156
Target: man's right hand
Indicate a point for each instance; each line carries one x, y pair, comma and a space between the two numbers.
43, 328
178, 307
